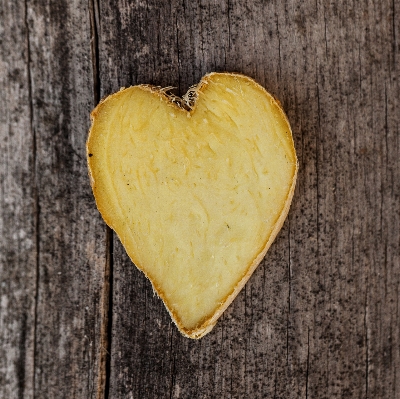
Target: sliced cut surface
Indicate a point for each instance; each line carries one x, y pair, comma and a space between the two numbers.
197, 192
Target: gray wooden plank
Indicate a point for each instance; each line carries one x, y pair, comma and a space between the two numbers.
351, 158
320, 316
380, 150
17, 208
72, 237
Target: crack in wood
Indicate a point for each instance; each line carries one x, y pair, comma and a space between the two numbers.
104, 367
173, 373
94, 43
308, 361
36, 197
289, 297
366, 341
108, 308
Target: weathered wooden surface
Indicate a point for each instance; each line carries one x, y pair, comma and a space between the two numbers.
71, 238
52, 238
17, 209
320, 317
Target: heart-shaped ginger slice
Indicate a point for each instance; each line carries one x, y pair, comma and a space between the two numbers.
196, 188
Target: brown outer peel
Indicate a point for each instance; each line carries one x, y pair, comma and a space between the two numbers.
209, 321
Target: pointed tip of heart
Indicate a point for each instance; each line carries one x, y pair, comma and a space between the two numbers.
196, 333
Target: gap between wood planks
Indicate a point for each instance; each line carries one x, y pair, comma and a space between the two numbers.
103, 383
36, 191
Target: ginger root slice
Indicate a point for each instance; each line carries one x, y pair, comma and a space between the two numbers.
196, 188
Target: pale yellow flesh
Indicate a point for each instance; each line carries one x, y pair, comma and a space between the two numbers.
193, 196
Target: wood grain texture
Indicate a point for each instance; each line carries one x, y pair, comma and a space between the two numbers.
72, 248
17, 208
320, 318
